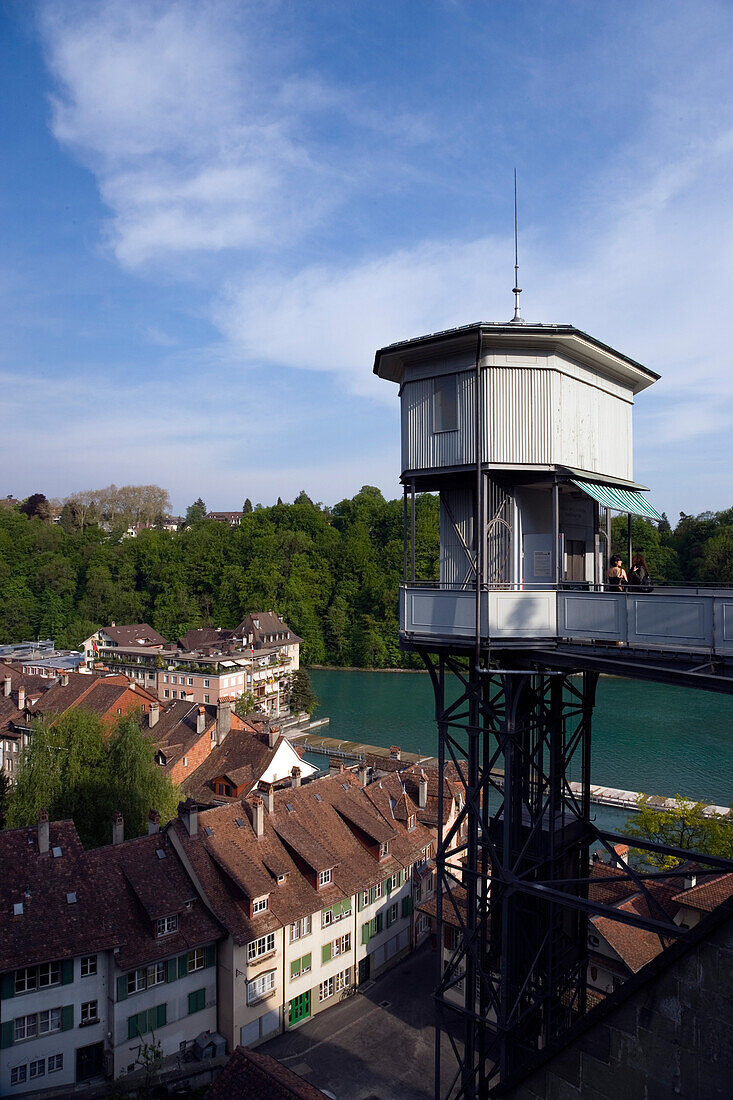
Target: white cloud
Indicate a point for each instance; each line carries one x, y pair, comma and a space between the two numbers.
172, 108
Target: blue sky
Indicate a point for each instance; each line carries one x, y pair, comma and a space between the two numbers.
213, 212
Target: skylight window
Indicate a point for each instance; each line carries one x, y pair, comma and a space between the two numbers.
160, 853
18, 909
208, 830
345, 786
289, 807
56, 852
238, 822
318, 798
71, 898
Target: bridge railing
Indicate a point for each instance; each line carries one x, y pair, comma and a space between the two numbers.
695, 618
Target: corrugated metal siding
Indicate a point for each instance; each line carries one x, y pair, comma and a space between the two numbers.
517, 415
455, 568
424, 449
592, 429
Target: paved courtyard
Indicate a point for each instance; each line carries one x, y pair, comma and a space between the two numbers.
377, 1045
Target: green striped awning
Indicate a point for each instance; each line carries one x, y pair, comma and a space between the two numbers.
620, 500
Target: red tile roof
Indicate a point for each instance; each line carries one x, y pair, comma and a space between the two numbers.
249, 1075
707, 894
134, 634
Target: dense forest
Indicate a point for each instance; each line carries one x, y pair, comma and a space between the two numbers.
332, 573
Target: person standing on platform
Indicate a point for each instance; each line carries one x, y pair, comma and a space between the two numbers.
616, 579
639, 574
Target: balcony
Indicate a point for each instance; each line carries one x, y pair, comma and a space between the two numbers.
679, 619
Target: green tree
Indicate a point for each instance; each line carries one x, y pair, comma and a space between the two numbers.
247, 507
683, 825
195, 513
302, 695
247, 703
75, 769
37, 505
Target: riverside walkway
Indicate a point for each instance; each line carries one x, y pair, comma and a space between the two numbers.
357, 750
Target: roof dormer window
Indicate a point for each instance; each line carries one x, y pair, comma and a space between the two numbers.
325, 877
384, 849
259, 905
411, 822
165, 925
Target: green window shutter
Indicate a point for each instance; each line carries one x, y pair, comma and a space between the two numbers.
122, 988
6, 1034
211, 954
159, 1015
67, 1017
67, 971
196, 1001
389, 917
172, 974
388, 885
132, 1027
326, 953
7, 986
294, 967
409, 905
144, 1022
378, 923
360, 901
365, 931
307, 961
372, 895
182, 966
406, 906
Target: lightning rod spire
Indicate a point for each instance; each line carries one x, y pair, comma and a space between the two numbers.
517, 290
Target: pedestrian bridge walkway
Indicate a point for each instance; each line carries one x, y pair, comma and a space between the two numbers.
694, 620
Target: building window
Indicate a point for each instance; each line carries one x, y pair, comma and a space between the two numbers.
343, 979
384, 849
378, 890
300, 928
196, 959
411, 823
89, 1012
324, 877
341, 944
174, 679
88, 965
326, 990
55, 1063
37, 977
38, 1068
260, 904
206, 684
196, 1001
190, 681
165, 678
392, 914
165, 925
136, 981
39, 1023
156, 974
445, 404
174, 693
206, 699
261, 946
300, 966
166, 693
185, 761
260, 987
18, 1075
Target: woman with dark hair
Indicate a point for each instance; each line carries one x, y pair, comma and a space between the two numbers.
616, 579
639, 574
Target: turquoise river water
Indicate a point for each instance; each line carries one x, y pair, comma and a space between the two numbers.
646, 737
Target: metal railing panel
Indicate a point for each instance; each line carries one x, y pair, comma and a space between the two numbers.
681, 621
522, 614
592, 615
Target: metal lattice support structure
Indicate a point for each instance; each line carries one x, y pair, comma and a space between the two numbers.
513, 868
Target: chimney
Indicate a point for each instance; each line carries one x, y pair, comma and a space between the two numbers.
189, 812
334, 765
223, 719
423, 796
43, 831
118, 827
201, 720
258, 816
7, 684
273, 733
295, 777
689, 880
21, 698
395, 752
270, 798
154, 714
363, 775
153, 822
64, 679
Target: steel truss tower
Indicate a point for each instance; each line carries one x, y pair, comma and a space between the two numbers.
513, 869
